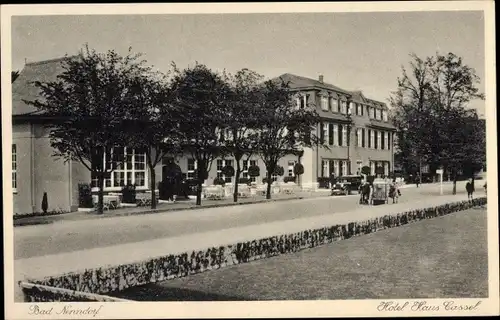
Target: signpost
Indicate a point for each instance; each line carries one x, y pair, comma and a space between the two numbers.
440, 172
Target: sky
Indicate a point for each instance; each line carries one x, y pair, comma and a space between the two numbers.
354, 51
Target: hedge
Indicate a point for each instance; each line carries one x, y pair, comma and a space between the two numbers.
39, 293
113, 279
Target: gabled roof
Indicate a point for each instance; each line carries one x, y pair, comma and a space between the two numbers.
299, 82
24, 88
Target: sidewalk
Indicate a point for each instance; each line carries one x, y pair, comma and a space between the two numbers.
178, 206
163, 207
51, 265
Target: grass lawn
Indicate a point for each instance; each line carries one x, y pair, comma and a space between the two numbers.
444, 257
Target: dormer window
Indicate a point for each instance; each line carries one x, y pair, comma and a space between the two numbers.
301, 101
372, 112
344, 107
334, 105
324, 103
384, 115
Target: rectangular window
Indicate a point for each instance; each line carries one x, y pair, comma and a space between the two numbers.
350, 108
131, 171
228, 163
372, 113
372, 139
220, 165
291, 164
344, 135
246, 165
362, 107
369, 138
345, 168
14, 168
335, 135
324, 103
379, 140
363, 138
341, 168
359, 137
330, 134
339, 138
191, 168
384, 116
344, 107
382, 143
336, 166
375, 146
388, 141
326, 138
324, 168
335, 105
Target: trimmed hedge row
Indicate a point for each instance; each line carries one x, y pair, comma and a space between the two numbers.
40, 293
112, 279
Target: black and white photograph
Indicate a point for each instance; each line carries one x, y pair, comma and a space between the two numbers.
158, 156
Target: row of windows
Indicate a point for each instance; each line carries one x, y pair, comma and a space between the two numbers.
336, 135
340, 106
131, 171
376, 164
335, 167
373, 139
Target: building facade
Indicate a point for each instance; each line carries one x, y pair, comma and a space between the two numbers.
355, 129
366, 140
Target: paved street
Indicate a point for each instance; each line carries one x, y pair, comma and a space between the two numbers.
67, 236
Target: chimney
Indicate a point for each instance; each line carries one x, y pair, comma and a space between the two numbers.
321, 78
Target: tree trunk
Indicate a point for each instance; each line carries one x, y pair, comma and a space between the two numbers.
198, 192
153, 186
100, 185
454, 184
237, 177
268, 192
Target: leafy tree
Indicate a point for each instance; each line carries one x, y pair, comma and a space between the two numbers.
240, 121
155, 121
431, 116
298, 170
202, 96
284, 128
366, 170
87, 104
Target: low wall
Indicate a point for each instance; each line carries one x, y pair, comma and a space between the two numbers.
113, 279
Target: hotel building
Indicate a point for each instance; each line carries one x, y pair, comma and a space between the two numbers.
344, 114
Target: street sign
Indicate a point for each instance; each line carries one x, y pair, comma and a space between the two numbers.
439, 171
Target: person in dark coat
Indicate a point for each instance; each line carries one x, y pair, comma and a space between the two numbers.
469, 187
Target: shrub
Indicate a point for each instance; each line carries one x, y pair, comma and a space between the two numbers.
324, 182
279, 171
219, 182
85, 196
128, 193
366, 170
244, 180
254, 171
298, 169
289, 179
163, 189
228, 171
45, 203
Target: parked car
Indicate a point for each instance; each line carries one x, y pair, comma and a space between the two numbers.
339, 189
352, 182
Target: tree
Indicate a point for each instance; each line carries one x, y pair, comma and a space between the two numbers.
284, 128
13, 76
86, 103
202, 96
430, 113
298, 170
238, 133
366, 170
454, 86
155, 121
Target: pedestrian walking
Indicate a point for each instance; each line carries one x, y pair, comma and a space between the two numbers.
417, 180
469, 187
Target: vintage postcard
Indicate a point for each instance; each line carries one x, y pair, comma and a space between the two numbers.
250, 160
